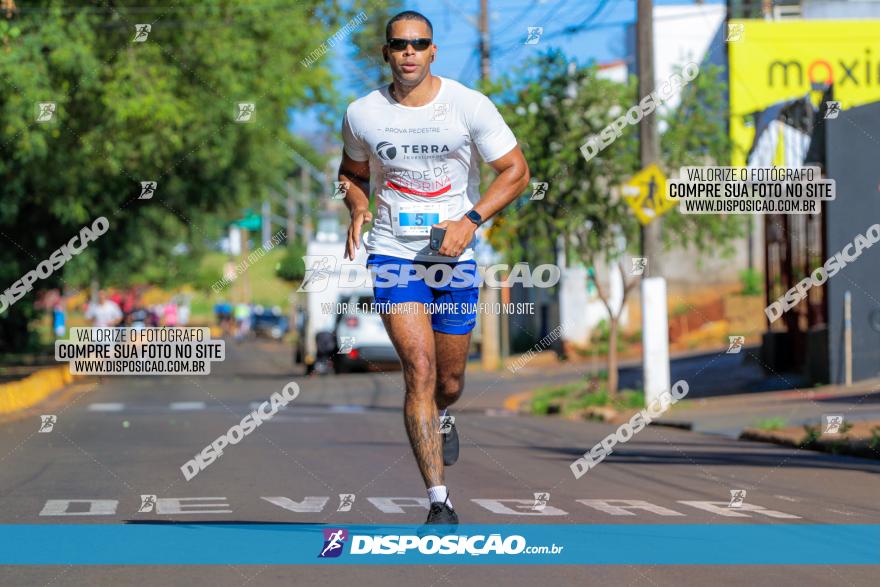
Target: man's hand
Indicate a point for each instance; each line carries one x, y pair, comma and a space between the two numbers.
459, 234
358, 217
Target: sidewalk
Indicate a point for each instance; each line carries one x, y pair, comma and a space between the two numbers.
729, 415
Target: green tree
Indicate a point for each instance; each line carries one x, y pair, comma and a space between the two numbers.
367, 64
553, 106
160, 110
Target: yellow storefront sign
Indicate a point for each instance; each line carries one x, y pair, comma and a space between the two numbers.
776, 61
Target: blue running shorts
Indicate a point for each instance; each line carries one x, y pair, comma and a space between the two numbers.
453, 300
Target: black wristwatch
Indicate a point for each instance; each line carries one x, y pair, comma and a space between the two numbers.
474, 217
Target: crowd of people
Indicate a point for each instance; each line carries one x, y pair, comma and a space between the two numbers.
122, 309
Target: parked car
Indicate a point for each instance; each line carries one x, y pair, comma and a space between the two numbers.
268, 323
361, 339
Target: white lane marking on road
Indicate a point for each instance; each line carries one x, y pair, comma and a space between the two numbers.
186, 406
786, 498
497, 413
721, 508
87, 507
106, 407
842, 512
622, 507
498, 506
303, 419
348, 409
402, 505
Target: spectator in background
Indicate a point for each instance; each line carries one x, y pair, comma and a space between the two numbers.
169, 314
183, 313
116, 298
242, 321
153, 316
104, 312
59, 319
223, 313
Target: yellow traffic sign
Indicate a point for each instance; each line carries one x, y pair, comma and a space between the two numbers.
645, 193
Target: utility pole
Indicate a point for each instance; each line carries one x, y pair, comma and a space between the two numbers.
305, 209
290, 205
655, 319
649, 140
484, 40
490, 351
266, 221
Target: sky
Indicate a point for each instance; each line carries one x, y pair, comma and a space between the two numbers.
587, 30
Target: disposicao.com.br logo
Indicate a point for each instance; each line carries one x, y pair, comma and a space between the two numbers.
448, 544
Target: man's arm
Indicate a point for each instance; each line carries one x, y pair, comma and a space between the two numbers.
357, 199
513, 177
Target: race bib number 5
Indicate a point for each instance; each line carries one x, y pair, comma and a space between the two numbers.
415, 219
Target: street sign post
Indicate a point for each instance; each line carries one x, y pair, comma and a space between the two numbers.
645, 194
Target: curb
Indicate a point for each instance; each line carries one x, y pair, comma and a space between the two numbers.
856, 447
20, 395
512, 403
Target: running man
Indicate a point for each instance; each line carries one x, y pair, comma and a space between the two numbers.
419, 142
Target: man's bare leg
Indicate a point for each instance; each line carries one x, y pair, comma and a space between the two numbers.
410, 332
451, 352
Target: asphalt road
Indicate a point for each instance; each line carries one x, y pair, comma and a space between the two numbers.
117, 438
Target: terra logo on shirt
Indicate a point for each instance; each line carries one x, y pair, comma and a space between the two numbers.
388, 151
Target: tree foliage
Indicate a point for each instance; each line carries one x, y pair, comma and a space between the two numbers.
553, 106
160, 110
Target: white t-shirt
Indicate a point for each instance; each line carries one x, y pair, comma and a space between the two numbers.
105, 314
424, 165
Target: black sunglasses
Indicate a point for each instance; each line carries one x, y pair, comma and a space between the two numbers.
417, 44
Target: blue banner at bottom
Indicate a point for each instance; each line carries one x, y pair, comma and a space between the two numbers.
574, 544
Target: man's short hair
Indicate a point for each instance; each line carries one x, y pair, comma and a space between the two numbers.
408, 15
